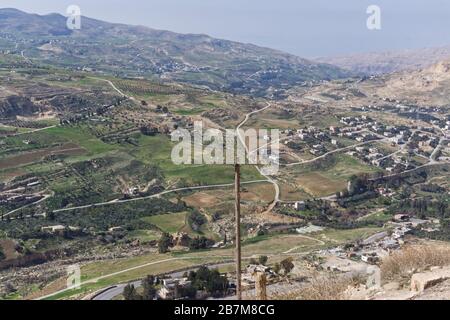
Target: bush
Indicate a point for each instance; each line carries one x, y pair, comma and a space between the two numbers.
196, 220
165, 242
320, 288
287, 265
200, 243
263, 260
414, 258
130, 293
209, 280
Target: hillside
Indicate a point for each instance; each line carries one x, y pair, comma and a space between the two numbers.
426, 86
388, 62
140, 51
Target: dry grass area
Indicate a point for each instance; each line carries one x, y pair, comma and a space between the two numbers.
330, 287
9, 249
261, 192
204, 199
70, 149
411, 259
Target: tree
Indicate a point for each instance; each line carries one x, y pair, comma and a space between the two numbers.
196, 220
263, 260
129, 292
287, 265
148, 285
209, 280
51, 216
277, 268
442, 208
216, 284
188, 292
165, 242
200, 243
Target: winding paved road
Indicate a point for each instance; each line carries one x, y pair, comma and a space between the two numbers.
242, 141
117, 201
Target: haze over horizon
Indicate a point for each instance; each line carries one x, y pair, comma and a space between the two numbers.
322, 28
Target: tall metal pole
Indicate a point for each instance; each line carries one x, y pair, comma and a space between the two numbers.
237, 189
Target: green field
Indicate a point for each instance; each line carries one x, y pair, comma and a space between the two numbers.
157, 150
123, 270
83, 138
171, 223
331, 178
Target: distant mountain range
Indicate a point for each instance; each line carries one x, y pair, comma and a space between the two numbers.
428, 86
388, 62
140, 51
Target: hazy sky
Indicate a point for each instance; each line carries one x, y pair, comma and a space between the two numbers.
306, 28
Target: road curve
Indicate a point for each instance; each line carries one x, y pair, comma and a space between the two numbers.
113, 202
269, 179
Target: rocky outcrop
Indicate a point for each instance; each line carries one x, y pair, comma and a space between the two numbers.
424, 280
16, 105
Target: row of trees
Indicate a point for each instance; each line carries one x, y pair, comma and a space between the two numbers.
208, 280
167, 241
204, 279
148, 293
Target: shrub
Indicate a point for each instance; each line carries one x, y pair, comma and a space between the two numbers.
413, 258
320, 288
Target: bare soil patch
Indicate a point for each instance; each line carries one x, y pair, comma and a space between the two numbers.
70, 149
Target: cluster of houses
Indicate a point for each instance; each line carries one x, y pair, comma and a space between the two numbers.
372, 249
396, 106
320, 141
361, 129
58, 229
375, 157
169, 287
20, 193
248, 277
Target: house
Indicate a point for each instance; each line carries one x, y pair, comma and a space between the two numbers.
371, 258
385, 192
397, 139
334, 129
33, 184
300, 205
377, 162
53, 229
390, 244
169, 288
303, 136
401, 217
115, 229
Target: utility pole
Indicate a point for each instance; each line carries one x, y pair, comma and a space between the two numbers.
237, 189
261, 285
